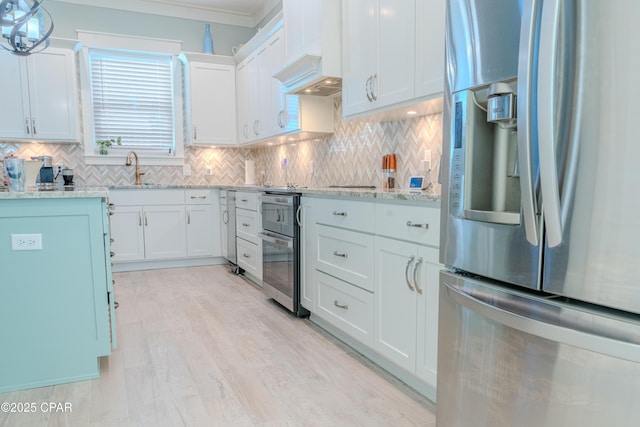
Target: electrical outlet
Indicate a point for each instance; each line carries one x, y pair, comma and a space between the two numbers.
209, 171
26, 242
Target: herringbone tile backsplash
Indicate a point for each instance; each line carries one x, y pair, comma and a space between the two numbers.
350, 156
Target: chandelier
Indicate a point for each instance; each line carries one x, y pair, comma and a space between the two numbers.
24, 26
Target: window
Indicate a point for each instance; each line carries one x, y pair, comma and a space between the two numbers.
132, 98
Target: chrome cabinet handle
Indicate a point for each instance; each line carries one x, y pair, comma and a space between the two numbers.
298, 216
112, 254
373, 94
28, 128
225, 217
366, 89
256, 127
341, 255
339, 305
406, 272
188, 216
33, 126
425, 226
195, 132
145, 219
244, 200
246, 256
415, 274
139, 218
198, 197
244, 224
339, 213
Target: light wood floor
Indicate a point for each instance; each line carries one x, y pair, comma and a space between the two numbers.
201, 347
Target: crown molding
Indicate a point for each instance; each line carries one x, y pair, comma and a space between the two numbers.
195, 12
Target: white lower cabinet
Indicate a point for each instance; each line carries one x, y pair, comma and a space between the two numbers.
248, 224
150, 225
307, 254
406, 306
346, 307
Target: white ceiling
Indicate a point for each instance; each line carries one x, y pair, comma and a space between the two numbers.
246, 13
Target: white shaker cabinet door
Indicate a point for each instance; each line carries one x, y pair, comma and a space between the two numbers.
127, 232
200, 231
360, 54
164, 232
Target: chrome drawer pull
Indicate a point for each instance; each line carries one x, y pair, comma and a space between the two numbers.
342, 306
406, 272
112, 254
244, 200
345, 256
410, 224
337, 213
246, 256
415, 275
244, 224
198, 197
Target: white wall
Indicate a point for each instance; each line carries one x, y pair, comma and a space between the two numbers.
68, 18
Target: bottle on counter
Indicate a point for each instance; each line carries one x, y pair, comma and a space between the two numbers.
391, 174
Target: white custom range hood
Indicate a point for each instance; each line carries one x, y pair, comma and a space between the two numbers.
313, 31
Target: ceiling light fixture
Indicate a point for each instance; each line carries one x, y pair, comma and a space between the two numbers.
26, 26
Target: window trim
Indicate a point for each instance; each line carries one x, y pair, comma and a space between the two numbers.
129, 43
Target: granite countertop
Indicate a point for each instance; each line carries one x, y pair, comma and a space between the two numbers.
354, 193
76, 193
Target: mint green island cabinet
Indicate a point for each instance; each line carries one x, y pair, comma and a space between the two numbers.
57, 313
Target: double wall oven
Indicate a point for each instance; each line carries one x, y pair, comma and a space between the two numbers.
281, 249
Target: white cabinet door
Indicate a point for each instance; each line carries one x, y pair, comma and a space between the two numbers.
224, 233
242, 77
360, 54
212, 89
427, 314
42, 95
396, 53
395, 302
127, 232
200, 235
430, 19
52, 89
276, 119
15, 122
302, 27
164, 232
252, 82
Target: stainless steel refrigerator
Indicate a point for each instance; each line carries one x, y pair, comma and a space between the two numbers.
540, 303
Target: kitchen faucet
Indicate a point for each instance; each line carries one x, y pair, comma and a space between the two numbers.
128, 163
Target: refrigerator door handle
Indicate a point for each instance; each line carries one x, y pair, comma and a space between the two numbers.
542, 323
546, 130
525, 119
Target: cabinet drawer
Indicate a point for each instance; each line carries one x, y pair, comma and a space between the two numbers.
346, 254
247, 200
346, 307
198, 197
354, 215
146, 197
400, 222
249, 258
247, 225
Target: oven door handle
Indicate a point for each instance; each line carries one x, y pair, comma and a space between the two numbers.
284, 242
276, 200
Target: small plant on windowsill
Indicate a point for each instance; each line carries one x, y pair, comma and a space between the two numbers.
105, 144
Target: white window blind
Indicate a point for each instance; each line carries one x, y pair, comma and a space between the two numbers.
132, 98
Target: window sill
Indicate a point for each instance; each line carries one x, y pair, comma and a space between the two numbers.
145, 160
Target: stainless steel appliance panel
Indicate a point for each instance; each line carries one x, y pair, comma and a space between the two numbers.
483, 227
511, 359
482, 42
593, 222
279, 268
279, 213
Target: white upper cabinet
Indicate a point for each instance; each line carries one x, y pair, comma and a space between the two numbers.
430, 19
210, 94
42, 90
312, 34
264, 111
393, 54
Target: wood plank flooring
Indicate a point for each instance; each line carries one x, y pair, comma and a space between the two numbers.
202, 347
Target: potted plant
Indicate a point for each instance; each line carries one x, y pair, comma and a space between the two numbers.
105, 144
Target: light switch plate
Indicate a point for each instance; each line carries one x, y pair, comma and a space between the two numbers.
26, 242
